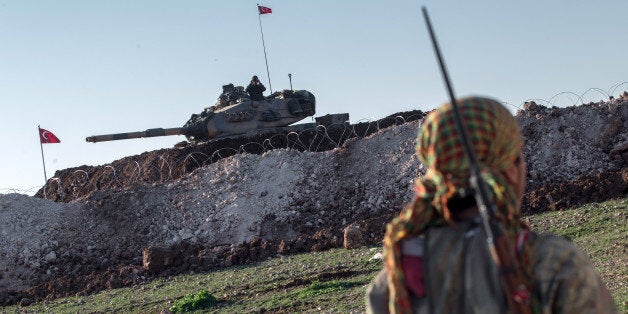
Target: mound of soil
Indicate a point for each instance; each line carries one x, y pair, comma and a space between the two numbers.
166, 165
193, 209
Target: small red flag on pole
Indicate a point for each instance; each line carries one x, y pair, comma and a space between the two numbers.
47, 137
264, 10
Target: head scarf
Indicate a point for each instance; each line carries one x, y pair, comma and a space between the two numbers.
496, 140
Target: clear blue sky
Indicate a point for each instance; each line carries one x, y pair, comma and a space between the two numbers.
81, 68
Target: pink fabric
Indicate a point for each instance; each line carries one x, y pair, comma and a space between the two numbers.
522, 237
412, 267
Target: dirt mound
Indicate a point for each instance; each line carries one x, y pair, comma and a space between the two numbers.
187, 257
166, 165
179, 212
563, 144
585, 189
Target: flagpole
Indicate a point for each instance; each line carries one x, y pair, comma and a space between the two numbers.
41, 145
259, 15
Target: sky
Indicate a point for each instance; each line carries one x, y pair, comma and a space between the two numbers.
81, 68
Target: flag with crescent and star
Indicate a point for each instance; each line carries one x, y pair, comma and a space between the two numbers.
47, 137
264, 10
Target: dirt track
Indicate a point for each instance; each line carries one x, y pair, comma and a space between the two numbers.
188, 213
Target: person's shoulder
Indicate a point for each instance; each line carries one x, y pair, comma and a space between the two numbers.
555, 246
551, 242
566, 279
554, 254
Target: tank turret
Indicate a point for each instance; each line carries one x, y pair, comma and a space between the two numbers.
239, 117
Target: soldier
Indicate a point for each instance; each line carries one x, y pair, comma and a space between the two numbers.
256, 89
435, 251
223, 99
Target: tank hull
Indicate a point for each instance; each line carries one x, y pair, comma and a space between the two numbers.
246, 117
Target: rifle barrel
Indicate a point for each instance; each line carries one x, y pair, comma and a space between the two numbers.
500, 253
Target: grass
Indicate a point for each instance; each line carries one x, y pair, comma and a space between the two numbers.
194, 301
335, 281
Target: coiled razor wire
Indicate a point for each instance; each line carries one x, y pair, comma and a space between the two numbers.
282, 136
415, 117
132, 171
545, 103
191, 156
164, 162
573, 102
242, 148
293, 140
112, 176
31, 190
112, 168
509, 104
79, 178
267, 143
346, 133
225, 150
579, 98
594, 89
59, 187
12, 190
611, 91
296, 141
81, 174
321, 131
368, 127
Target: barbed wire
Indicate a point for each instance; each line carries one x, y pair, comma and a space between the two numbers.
132, 172
30, 190
579, 99
168, 168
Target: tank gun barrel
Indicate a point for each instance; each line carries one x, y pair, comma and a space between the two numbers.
244, 116
123, 136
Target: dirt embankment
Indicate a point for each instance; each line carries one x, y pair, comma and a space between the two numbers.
167, 165
575, 155
212, 213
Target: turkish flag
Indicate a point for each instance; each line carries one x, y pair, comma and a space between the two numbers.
47, 137
264, 10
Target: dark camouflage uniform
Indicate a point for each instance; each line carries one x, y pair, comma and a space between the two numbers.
256, 91
460, 276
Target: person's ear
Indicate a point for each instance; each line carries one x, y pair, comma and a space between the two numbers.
512, 174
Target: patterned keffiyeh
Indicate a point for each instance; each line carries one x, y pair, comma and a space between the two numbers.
496, 139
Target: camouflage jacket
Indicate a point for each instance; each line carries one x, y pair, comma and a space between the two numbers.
256, 91
460, 276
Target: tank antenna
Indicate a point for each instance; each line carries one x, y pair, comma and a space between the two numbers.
290, 78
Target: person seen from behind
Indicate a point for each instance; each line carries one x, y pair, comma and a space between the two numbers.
256, 89
435, 252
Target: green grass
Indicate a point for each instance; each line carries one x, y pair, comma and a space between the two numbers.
194, 301
335, 281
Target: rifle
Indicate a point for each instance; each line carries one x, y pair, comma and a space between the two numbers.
500, 248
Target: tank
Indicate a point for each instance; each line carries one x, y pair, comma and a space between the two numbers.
236, 115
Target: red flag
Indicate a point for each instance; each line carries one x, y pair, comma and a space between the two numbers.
264, 10
47, 137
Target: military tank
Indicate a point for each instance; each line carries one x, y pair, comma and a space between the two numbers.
235, 114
